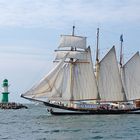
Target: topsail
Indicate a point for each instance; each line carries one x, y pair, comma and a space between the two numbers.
72, 41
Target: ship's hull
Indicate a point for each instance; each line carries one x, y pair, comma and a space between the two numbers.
63, 110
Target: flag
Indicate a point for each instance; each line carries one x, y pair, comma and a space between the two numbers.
121, 38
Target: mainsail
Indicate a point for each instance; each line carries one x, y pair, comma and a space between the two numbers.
110, 84
79, 80
85, 86
131, 77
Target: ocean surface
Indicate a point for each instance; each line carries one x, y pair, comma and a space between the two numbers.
35, 124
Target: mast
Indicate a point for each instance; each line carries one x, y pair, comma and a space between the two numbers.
97, 61
121, 66
73, 30
71, 67
97, 55
121, 51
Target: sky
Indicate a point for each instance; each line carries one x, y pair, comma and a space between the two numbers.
30, 31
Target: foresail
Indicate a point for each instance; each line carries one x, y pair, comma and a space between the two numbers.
131, 77
110, 84
46, 86
72, 41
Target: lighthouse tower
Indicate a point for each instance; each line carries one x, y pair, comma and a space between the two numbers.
5, 91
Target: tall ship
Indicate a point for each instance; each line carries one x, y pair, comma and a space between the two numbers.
73, 86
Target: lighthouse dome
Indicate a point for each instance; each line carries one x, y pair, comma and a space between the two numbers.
5, 82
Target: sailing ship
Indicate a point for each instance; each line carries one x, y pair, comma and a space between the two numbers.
74, 87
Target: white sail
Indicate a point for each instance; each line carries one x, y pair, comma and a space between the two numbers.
84, 85
72, 41
68, 81
47, 85
131, 77
78, 79
71, 54
110, 84
71, 86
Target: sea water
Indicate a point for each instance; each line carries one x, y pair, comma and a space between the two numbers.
35, 124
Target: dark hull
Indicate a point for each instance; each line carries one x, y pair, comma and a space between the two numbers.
77, 111
90, 113
86, 111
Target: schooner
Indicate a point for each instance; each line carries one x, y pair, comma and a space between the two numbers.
73, 87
